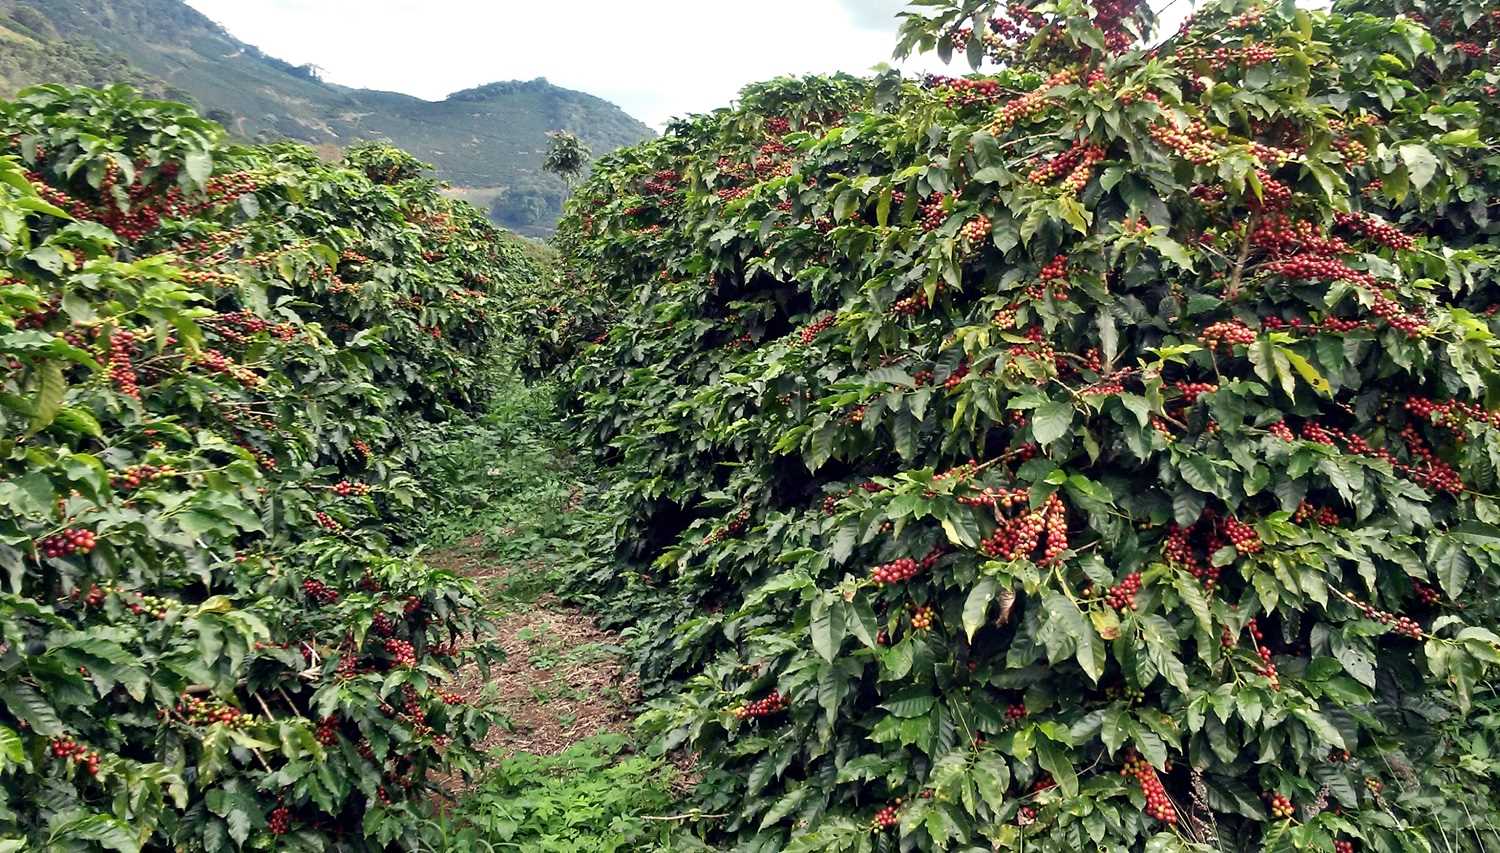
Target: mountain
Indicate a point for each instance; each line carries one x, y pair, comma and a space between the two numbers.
488, 141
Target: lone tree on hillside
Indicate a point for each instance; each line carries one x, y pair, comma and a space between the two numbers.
566, 156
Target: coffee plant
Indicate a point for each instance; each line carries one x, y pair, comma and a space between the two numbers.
1097, 452
211, 360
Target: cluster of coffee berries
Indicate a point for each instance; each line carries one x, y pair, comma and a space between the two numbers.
1450, 413
1015, 712
1322, 516
962, 92
1195, 143
67, 749
664, 181
773, 703
1267, 668
1280, 806
887, 817
404, 653
932, 213
68, 543
808, 333
976, 231
1337, 325
896, 571
382, 624
280, 821
1227, 332
735, 527
345, 489
1242, 536
203, 712
328, 730
327, 522
1191, 391
1403, 625
1344, 846
1019, 537
997, 497
922, 618
1426, 594
957, 376
1122, 595
361, 447
320, 592
1247, 19
1158, 804
121, 371
138, 475
1029, 105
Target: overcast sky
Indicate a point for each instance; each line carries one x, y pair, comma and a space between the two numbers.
655, 58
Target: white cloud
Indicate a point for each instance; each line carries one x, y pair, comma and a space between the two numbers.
655, 58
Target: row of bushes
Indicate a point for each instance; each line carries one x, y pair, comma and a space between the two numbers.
211, 359
1093, 454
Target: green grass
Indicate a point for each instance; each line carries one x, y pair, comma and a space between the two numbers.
597, 797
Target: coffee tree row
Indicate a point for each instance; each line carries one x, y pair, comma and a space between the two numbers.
209, 359
1097, 453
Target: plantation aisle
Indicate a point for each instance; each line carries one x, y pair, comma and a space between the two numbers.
563, 679
519, 517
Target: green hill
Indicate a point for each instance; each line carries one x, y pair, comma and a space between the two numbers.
488, 141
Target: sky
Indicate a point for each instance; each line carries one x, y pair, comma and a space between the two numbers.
655, 58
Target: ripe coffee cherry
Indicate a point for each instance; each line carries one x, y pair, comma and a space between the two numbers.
1159, 804
1191, 391
1229, 333
68, 543
1280, 806
887, 818
933, 213
327, 522
1281, 431
1343, 847
382, 624
1016, 712
345, 489
280, 821
773, 703
1242, 536
404, 653
976, 231
1121, 596
1426, 594
328, 731
1029, 105
808, 333
319, 591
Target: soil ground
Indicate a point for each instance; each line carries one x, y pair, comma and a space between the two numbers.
563, 679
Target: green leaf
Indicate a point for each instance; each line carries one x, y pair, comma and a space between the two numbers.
827, 625
25, 703
1051, 421
1421, 164
977, 605
1065, 616
1450, 564
1056, 760
51, 386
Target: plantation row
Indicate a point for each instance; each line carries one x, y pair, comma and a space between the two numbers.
1098, 453
211, 361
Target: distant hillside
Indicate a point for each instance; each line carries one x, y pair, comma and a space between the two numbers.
488, 141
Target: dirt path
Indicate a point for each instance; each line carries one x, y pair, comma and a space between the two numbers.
563, 679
